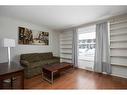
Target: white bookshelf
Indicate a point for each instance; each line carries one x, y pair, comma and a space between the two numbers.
66, 46
118, 42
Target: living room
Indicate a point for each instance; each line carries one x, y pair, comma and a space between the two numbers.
62, 47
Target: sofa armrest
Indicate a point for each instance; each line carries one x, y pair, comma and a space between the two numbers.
24, 63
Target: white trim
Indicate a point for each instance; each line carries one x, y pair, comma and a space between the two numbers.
118, 76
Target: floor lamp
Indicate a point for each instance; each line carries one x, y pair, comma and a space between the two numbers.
8, 43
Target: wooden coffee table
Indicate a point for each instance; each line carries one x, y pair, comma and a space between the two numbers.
51, 71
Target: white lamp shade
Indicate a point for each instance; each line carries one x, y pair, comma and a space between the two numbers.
8, 42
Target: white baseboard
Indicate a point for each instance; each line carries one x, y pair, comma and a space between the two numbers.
119, 76
105, 73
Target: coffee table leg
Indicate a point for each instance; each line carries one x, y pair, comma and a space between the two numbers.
1, 84
49, 80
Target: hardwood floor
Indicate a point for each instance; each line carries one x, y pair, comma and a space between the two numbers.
78, 79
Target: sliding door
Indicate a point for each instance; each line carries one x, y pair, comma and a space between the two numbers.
86, 47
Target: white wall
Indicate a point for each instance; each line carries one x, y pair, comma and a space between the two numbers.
9, 29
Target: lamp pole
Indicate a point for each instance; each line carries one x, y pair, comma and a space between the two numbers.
8, 56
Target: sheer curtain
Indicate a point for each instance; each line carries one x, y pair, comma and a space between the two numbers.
102, 52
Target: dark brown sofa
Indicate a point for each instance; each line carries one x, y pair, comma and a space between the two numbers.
33, 62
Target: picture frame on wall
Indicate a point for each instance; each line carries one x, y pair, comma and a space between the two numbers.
32, 37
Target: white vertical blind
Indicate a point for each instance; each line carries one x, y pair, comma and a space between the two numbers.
66, 46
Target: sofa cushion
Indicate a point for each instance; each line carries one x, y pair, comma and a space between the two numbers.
32, 57
36, 64
49, 61
41, 63
44, 56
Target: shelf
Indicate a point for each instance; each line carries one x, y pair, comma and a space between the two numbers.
118, 64
66, 44
66, 52
85, 60
116, 41
66, 36
65, 47
65, 39
87, 43
118, 56
118, 28
118, 34
118, 22
118, 47
66, 58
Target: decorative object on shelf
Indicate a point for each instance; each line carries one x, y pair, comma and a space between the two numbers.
8, 43
32, 37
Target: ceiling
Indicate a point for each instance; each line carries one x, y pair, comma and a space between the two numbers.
61, 17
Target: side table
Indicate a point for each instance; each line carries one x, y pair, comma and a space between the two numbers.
10, 73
